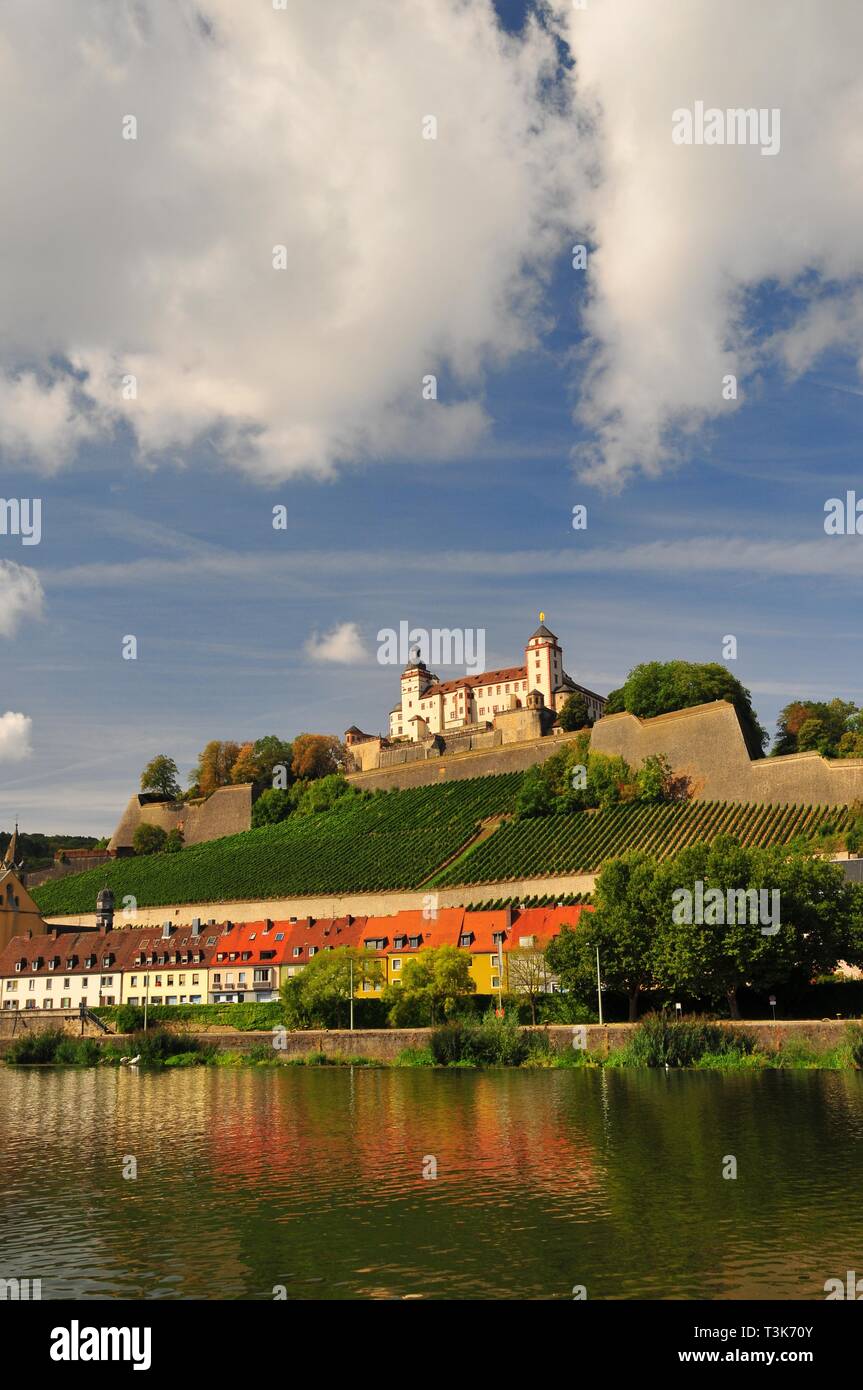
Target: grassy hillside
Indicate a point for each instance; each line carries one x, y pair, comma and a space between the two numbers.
391, 840
580, 843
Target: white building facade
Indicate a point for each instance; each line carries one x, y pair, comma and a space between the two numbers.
431, 706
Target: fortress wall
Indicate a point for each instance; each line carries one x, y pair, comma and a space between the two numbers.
706, 744
339, 905
454, 767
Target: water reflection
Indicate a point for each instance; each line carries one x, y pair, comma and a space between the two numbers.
314, 1179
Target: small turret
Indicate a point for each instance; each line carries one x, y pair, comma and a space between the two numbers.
105, 910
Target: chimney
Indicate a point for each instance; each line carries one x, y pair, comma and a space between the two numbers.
349, 919
268, 925
508, 922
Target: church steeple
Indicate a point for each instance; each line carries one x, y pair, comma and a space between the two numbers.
9, 858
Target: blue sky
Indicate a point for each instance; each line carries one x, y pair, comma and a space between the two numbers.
176, 546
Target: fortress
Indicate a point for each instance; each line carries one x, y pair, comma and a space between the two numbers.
433, 718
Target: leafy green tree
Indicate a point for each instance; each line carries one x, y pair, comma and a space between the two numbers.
149, 839
535, 797
322, 795
655, 779
161, 775
319, 995
832, 728
658, 687
627, 926
174, 840
271, 807
574, 714
433, 985
818, 920
270, 753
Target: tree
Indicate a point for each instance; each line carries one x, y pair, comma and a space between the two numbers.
319, 995
245, 768
831, 728
161, 775
574, 714
627, 925
433, 984
818, 919
214, 766
321, 795
317, 755
528, 973
174, 840
270, 753
271, 807
149, 839
658, 687
534, 797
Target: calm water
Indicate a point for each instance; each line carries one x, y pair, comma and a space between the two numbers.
313, 1179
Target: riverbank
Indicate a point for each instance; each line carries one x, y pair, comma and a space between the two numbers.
656, 1041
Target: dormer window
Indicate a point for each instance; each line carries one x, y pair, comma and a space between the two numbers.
298, 951
414, 941
107, 961
90, 962
466, 938
53, 962
399, 943
71, 962
497, 938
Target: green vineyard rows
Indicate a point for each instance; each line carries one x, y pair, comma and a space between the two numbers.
392, 840
580, 843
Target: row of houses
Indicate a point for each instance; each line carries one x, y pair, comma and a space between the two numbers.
243, 962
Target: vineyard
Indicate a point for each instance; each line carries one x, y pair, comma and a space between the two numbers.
405, 839
580, 843
390, 840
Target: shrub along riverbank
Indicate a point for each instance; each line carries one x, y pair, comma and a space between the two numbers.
659, 1041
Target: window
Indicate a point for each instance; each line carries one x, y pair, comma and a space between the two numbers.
11, 984
465, 939
312, 950
67, 984
415, 942
48, 984
495, 982
65, 1003
195, 980
298, 951
397, 965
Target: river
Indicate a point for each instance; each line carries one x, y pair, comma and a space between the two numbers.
311, 1182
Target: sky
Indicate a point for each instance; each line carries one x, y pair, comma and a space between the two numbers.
236, 311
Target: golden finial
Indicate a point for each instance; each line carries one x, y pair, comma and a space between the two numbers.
542, 617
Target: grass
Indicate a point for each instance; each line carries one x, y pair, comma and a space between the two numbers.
659, 1042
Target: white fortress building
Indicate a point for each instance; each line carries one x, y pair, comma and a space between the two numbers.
477, 704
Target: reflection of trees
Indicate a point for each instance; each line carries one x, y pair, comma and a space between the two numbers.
313, 1178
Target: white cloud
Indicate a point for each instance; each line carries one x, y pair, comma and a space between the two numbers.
21, 597
684, 233
302, 127
343, 645
257, 128
15, 730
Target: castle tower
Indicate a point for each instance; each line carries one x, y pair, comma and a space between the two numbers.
543, 659
105, 910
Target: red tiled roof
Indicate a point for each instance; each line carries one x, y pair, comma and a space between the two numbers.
511, 673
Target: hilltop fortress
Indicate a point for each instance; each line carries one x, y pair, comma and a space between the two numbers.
434, 718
